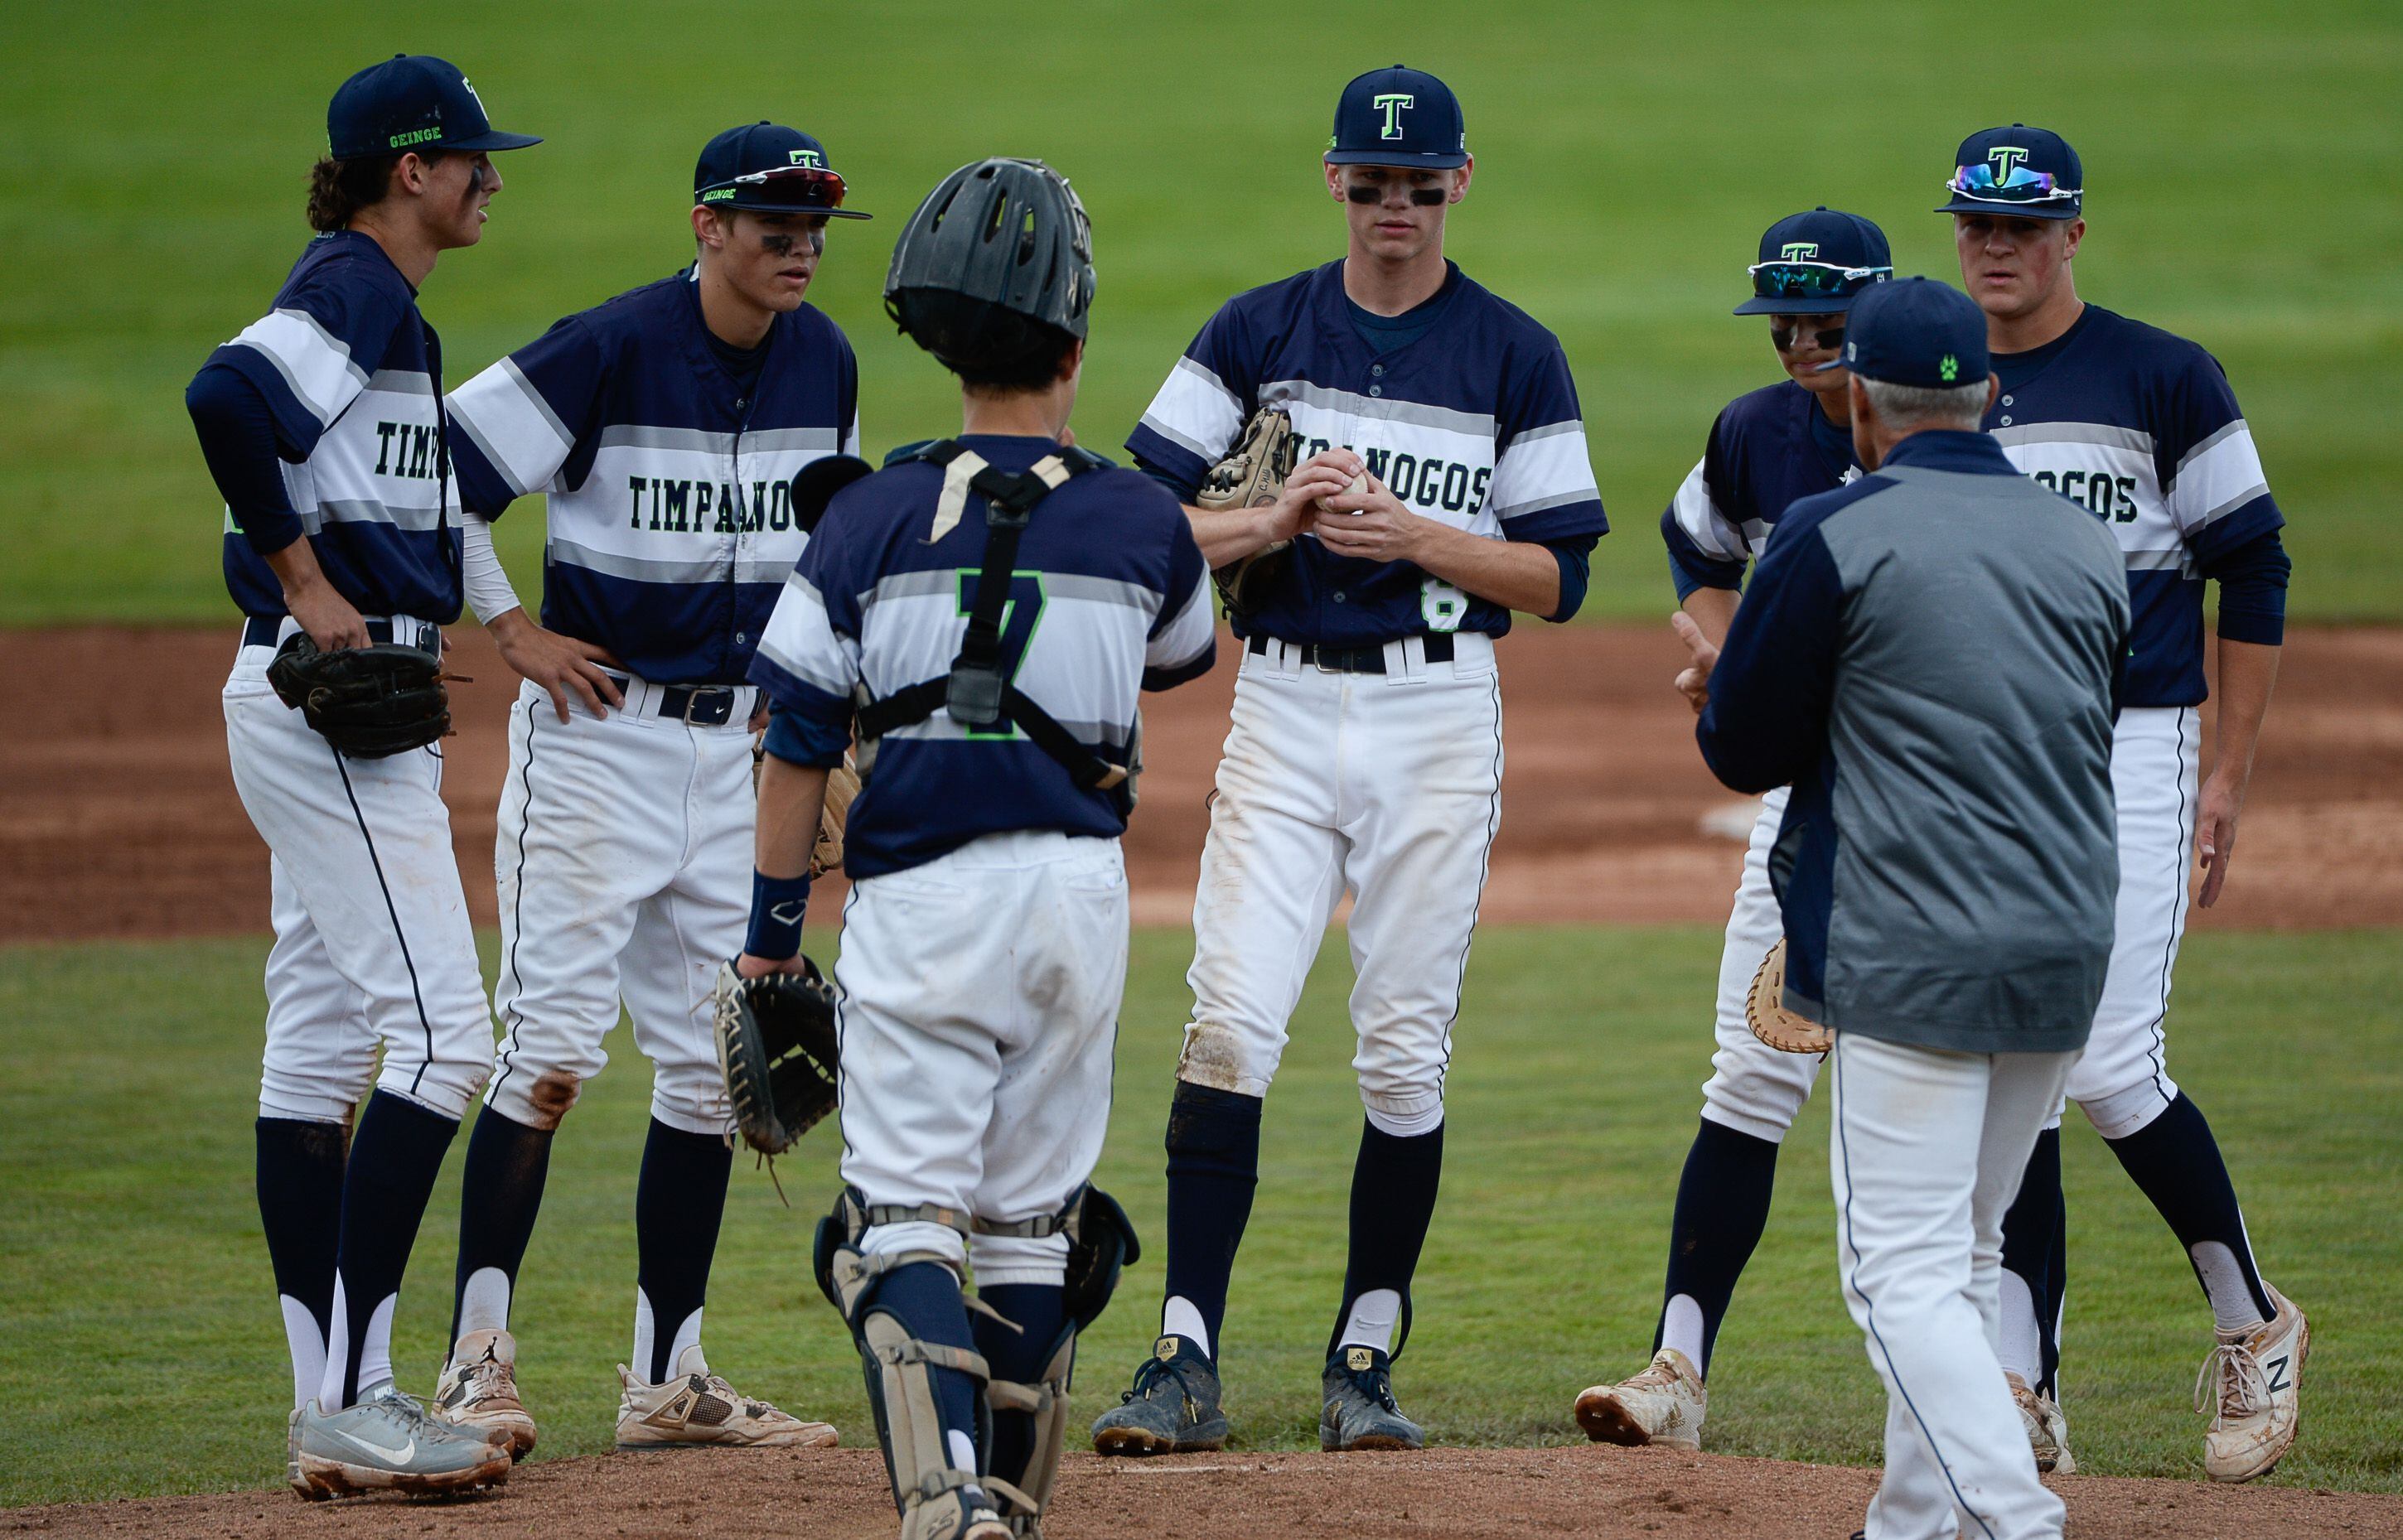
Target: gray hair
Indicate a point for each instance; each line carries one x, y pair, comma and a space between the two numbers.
1927, 406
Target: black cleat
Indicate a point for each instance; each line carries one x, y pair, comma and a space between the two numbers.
1172, 1410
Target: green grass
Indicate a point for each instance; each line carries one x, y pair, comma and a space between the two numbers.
1628, 157
144, 1353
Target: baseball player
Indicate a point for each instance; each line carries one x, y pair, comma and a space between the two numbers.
1766, 449
320, 428
1931, 656
2141, 428
666, 427
989, 607
1442, 483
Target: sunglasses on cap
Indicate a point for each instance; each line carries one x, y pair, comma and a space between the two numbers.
1809, 280
2017, 186
800, 189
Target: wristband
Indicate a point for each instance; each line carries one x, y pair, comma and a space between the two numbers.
777, 904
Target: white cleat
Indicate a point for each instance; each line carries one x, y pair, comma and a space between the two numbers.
1662, 1406
478, 1390
694, 1408
2251, 1383
2048, 1430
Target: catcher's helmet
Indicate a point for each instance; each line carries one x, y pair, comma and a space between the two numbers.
996, 263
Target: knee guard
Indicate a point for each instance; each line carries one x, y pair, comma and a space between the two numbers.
929, 1487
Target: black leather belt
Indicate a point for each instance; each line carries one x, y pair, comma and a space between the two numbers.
1354, 659
260, 631
695, 705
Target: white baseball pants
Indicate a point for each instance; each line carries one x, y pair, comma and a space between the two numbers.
373, 948
1926, 1152
623, 863
1386, 786
1753, 1089
979, 1003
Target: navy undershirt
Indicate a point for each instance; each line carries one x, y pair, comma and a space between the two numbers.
744, 363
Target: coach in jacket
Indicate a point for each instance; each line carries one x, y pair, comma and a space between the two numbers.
1932, 657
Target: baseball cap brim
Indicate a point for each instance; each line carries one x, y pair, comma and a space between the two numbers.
1434, 161
491, 139
782, 208
2014, 211
1824, 304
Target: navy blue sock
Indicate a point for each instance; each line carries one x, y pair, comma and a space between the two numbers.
1214, 1165
395, 1161
2034, 1245
679, 1204
507, 1164
1722, 1209
1039, 1310
2176, 1162
1393, 1182
924, 1298
300, 1206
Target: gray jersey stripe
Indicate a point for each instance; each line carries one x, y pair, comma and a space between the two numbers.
707, 569
2076, 433
1383, 409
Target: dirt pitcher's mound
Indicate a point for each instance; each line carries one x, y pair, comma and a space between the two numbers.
1594, 1493
118, 814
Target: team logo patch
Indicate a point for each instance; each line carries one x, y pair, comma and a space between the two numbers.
1950, 368
2004, 157
1798, 251
1392, 105
811, 158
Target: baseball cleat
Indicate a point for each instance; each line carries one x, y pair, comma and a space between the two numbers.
2047, 1429
1173, 1408
478, 1389
2251, 1382
292, 1476
694, 1408
1359, 1412
386, 1443
1663, 1406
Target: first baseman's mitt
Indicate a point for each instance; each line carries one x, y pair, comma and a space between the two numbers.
1252, 476
842, 784
369, 702
1765, 1012
776, 1045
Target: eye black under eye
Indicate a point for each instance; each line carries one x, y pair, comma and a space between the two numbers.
1365, 192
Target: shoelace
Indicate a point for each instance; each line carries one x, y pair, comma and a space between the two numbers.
406, 1413
2243, 1388
1149, 1373
1375, 1386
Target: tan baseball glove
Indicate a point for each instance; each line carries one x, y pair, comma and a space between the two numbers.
842, 784
1252, 476
1765, 1013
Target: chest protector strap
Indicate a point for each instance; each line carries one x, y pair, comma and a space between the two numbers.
976, 693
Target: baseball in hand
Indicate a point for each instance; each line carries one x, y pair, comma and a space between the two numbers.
1357, 485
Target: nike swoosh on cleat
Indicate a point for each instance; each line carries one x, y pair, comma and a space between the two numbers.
382, 1451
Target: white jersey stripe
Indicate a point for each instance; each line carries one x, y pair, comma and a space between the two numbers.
313, 362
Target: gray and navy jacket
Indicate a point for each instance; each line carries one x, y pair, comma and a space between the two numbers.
1933, 657
670, 529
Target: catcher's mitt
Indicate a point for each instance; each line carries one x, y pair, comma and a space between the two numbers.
1252, 476
369, 702
842, 784
1765, 1013
776, 1045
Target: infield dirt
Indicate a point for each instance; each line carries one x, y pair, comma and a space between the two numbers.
1596, 1492
118, 814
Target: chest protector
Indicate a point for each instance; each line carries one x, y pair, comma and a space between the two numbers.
976, 693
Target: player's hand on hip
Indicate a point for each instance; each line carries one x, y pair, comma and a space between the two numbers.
560, 664
1371, 524
329, 618
1694, 680
2215, 834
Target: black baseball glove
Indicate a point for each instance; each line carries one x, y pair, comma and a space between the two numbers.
776, 1043
369, 702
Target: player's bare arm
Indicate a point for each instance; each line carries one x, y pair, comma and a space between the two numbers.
1712, 611
792, 798
1230, 534
1374, 525
1702, 653
328, 618
557, 663
2247, 673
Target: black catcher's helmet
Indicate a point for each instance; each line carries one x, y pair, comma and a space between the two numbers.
996, 265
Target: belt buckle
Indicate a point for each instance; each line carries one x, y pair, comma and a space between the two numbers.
708, 694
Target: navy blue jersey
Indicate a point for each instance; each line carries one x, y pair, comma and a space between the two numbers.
1110, 598
2140, 428
670, 529
1473, 421
1768, 448
352, 373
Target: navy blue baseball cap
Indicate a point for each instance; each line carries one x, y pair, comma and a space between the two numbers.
1916, 332
2028, 173
1816, 264
770, 169
411, 101
1399, 117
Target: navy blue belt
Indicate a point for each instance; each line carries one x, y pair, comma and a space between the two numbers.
1369, 659
260, 631
695, 706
